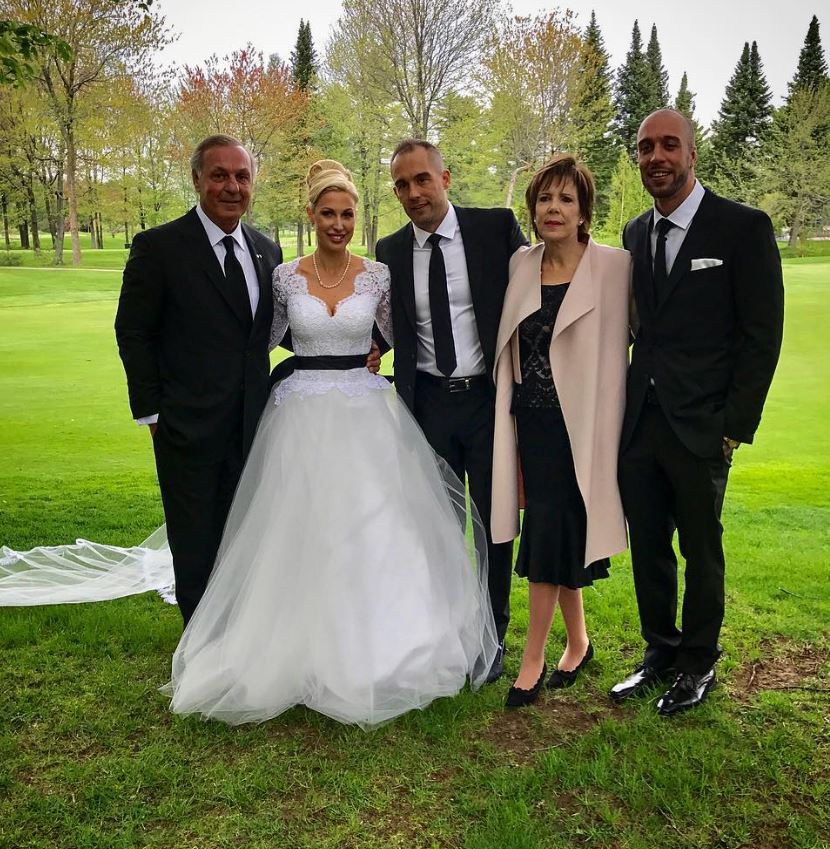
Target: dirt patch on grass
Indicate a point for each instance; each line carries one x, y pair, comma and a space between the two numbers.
782, 668
552, 721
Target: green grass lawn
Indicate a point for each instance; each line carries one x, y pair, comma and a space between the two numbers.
90, 757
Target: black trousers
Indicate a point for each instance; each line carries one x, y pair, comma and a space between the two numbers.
197, 498
665, 486
459, 427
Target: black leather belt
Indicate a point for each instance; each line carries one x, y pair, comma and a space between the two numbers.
454, 384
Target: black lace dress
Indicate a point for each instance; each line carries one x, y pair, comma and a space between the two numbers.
552, 546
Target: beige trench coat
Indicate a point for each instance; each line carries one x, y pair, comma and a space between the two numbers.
589, 359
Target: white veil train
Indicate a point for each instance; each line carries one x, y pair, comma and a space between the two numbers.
85, 572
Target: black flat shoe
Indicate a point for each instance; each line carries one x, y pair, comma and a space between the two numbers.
517, 697
562, 678
497, 669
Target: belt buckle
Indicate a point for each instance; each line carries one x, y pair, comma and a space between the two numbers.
458, 384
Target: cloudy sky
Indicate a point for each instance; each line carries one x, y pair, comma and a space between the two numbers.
703, 38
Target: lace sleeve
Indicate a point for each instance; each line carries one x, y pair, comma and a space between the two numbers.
280, 323
383, 313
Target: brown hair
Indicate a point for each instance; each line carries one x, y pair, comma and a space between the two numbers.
408, 145
564, 167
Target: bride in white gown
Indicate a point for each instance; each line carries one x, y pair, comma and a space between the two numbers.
344, 581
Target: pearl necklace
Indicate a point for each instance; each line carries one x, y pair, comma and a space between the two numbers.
342, 276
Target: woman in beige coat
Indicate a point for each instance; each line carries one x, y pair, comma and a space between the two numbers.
561, 362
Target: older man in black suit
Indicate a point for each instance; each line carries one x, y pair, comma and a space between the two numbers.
710, 300
449, 272
193, 325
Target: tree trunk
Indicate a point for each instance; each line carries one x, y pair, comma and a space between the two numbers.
23, 228
300, 244
795, 230
5, 208
30, 198
277, 234
71, 188
60, 220
100, 222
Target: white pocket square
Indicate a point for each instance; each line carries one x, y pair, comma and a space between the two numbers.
698, 264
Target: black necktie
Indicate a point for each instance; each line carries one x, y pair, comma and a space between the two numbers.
439, 309
661, 274
235, 276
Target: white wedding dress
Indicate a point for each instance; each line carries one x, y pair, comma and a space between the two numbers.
344, 581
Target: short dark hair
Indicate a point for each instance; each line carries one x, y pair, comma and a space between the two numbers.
562, 167
408, 145
218, 140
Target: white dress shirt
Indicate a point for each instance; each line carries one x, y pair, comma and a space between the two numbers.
215, 235
468, 354
682, 220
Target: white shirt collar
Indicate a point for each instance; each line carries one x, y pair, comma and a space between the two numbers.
215, 233
447, 228
683, 215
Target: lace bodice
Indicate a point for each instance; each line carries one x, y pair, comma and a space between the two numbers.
537, 388
316, 332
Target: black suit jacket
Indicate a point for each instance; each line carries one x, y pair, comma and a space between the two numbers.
491, 236
190, 349
711, 343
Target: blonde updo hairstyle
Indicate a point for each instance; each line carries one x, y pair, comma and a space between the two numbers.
328, 175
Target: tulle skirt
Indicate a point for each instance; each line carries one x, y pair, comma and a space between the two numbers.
344, 581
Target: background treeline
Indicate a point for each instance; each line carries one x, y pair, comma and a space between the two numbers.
95, 138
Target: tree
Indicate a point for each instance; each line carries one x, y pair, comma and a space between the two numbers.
635, 94
812, 68
795, 170
660, 76
741, 127
628, 198
304, 58
23, 47
532, 98
424, 48
593, 112
105, 37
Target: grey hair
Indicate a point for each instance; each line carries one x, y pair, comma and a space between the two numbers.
219, 140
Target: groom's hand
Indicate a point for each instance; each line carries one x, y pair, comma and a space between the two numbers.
373, 360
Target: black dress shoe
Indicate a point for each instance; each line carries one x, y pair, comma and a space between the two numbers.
517, 697
643, 677
561, 678
688, 691
497, 669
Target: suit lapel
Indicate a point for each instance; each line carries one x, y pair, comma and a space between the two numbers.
473, 257
403, 274
694, 243
643, 266
205, 257
261, 271
581, 295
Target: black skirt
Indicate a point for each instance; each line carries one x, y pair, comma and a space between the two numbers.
552, 545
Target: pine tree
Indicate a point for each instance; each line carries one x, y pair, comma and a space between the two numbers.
743, 123
593, 112
304, 58
635, 93
660, 76
812, 67
685, 100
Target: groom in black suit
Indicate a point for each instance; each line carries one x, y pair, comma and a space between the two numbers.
193, 326
449, 271
710, 300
